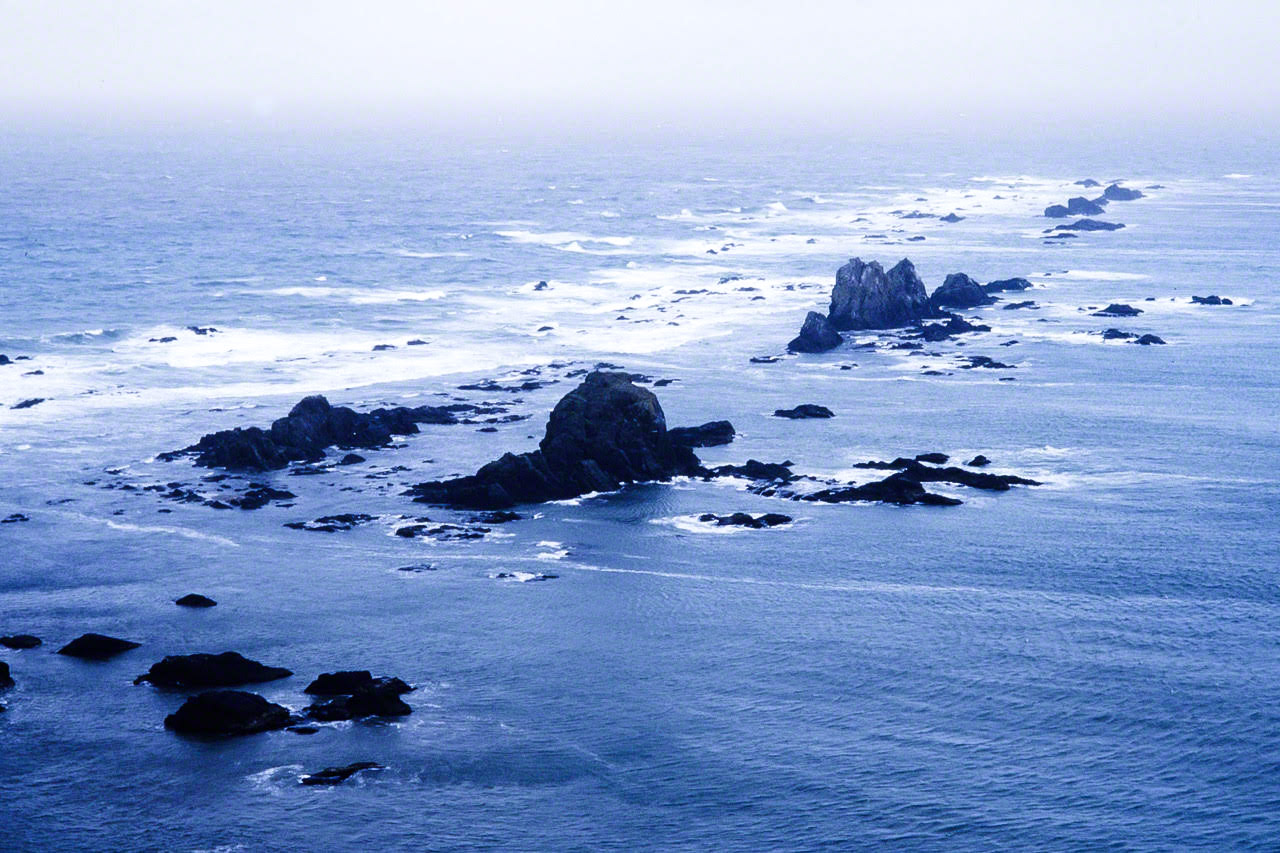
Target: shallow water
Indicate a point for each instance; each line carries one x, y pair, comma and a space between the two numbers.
1090, 663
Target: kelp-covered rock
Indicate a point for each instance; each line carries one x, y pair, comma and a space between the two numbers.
604, 433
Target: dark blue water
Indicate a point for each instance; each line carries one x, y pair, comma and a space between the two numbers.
1088, 664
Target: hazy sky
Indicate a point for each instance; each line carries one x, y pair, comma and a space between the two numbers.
747, 63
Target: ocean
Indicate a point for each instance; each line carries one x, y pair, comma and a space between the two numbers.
1091, 663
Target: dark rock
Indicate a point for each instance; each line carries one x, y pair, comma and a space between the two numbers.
755, 470
28, 403
978, 461
4, 359
866, 297
1091, 225
1081, 206
195, 600
1147, 340
378, 700
816, 335
950, 217
6, 680
260, 496
898, 489
348, 682
202, 330
1056, 211
498, 516
710, 434
351, 459
206, 670
921, 473
743, 519
20, 641
227, 712
959, 291
1013, 306
804, 411
604, 433
765, 359
1210, 300
1007, 284
933, 458
304, 730
985, 362
332, 523
14, 518
1118, 309
96, 647
416, 342
383, 347
338, 775
1088, 182
1115, 192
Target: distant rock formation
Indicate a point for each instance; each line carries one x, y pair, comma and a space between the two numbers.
1118, 309
1115, 192
310, 427
1007, 284
604, 433
1076, 206
816, 335
1090, 225
1211, 299
950, 217
959, 291
866, 297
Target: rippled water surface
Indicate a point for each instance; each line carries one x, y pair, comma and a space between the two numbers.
1092, 663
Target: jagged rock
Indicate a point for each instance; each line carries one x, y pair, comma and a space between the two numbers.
96, 647
934, 332
985, 362
28, 403
195, 600
259, 496
338, 775
756, 470
310, 427
497, 516
804, 411
1210, 300
959, 291
1147, 340
950, 217
604, 433
1118, 309
378, 700
1076, 206
978, 461
206, 670
347, 682
710, 434
866, 297
816, 335
922, 473
1115, 192
1117, 335
332, 523
743, 519
1007, 284
20, 641
1090, 225
227, 712
898, 489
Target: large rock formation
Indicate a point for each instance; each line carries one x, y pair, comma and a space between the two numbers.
309, 428
96, 647
227, 712
204, 670
604, 433
866, 297
1076, 206
1115, 192
959, 291
816, 335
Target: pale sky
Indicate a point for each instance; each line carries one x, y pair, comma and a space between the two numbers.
746, 63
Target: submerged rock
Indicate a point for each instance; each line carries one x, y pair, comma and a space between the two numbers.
1090, 225
206, 670
338, 775
195, 600
816, 335
1118, 309
20, 641
96, 647
866, 297
1117, 335
604, 433
959, 291
710, 434
227, 712
804, 411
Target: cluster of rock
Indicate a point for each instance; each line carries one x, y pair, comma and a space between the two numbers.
604, 433
310, 427
866, 297
1081, 206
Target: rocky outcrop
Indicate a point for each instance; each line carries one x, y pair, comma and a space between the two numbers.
604, 433
804, 411
959, 291
1006, 284
866, 297
381, 699
710, 434
6, 680
20, 641
922, 473
1118, 309
1076, 206
347, 682
227, 712
205, 670
96, 647
338, 775
1211, 299
744, 519
950, 217
1090, 225
310, 427
900, 488
1148, 340
1115, 192
195, 599
816, 335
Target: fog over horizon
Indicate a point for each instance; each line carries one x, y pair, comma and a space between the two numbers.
571, 66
